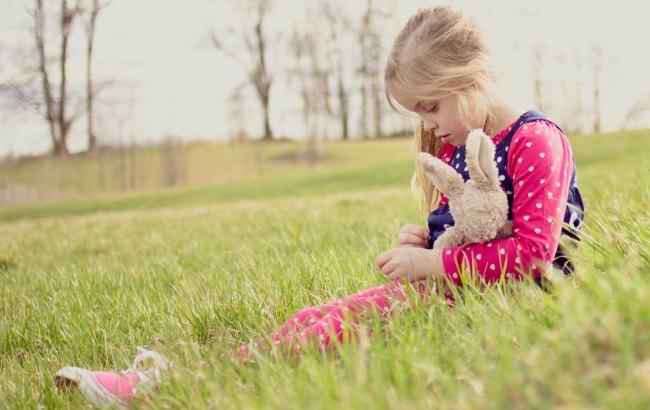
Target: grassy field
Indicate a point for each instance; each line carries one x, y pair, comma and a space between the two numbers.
193, 272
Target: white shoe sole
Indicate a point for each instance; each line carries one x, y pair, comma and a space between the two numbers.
85, 382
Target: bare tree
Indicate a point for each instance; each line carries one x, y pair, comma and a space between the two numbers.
237, 113
337, 23
314, 88
369, 37
538, 58
55, 103
92, 13
578, 114
254, 59
299, 71
639, 110
597, 60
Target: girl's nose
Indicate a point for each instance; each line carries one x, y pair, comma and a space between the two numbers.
428, 126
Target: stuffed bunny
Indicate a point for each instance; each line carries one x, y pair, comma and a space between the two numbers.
479, 206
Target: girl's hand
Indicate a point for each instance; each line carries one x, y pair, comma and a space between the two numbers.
410, 263
413, 235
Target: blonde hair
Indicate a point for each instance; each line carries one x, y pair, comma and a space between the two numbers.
439, 52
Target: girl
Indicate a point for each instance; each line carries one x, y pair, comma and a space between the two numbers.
437, 70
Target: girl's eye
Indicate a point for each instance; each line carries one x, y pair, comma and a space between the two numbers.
433, 108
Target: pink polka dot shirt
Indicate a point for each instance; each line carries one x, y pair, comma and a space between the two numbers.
537, 170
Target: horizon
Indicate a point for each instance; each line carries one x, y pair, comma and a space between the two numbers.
173, 89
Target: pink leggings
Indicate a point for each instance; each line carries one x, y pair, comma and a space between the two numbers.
323, 323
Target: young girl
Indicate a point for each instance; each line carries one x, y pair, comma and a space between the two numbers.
437, 69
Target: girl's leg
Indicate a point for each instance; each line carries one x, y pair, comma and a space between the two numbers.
324, 323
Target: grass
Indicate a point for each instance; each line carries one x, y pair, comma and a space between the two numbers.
193, 272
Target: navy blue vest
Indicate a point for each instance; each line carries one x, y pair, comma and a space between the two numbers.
440, 219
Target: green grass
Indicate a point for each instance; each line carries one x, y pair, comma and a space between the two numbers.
196, 271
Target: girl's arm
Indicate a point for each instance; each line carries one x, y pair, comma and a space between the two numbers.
540, 164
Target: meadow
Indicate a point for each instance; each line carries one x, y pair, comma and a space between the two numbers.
192, 272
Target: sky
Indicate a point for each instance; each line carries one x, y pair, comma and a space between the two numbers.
169, 80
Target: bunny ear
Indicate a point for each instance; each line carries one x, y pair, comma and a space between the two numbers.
480, 159
444, 177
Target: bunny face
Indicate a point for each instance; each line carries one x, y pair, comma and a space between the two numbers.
479, 206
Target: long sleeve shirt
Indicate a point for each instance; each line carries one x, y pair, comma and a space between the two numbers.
539, 162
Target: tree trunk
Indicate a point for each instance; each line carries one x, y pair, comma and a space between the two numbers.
598, 61
63, 121
39, 36
343, 105
363, 117
377, 100
264, 83
92, 139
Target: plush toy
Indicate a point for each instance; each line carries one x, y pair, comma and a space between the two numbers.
479, 206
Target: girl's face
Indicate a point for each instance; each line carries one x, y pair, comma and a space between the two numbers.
439, 116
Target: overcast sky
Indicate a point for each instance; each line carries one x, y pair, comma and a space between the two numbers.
171, 81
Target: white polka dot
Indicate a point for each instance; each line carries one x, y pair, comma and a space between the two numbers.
455, 275
542, 155
478, 257
509, 192
507, 149
549, 194
458, 155
492, 266
546, 246
489, 245
457, 165
526, 217
534, 249
501, 177
519, 160
530, 194
550, 220
448, 252
533, 266
517, 260
519, 247
529, 144
502, 251
516, 230
521, 183
499, 159
465, 169
531, 168
538, 205
537, 230
447, 159
541, 181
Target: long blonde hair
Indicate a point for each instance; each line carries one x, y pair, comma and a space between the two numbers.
439, 52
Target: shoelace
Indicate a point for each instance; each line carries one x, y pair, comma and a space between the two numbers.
150, 376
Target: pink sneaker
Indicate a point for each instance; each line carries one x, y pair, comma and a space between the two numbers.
105, 389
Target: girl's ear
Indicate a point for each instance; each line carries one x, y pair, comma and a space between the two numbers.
480, 159
444, 177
